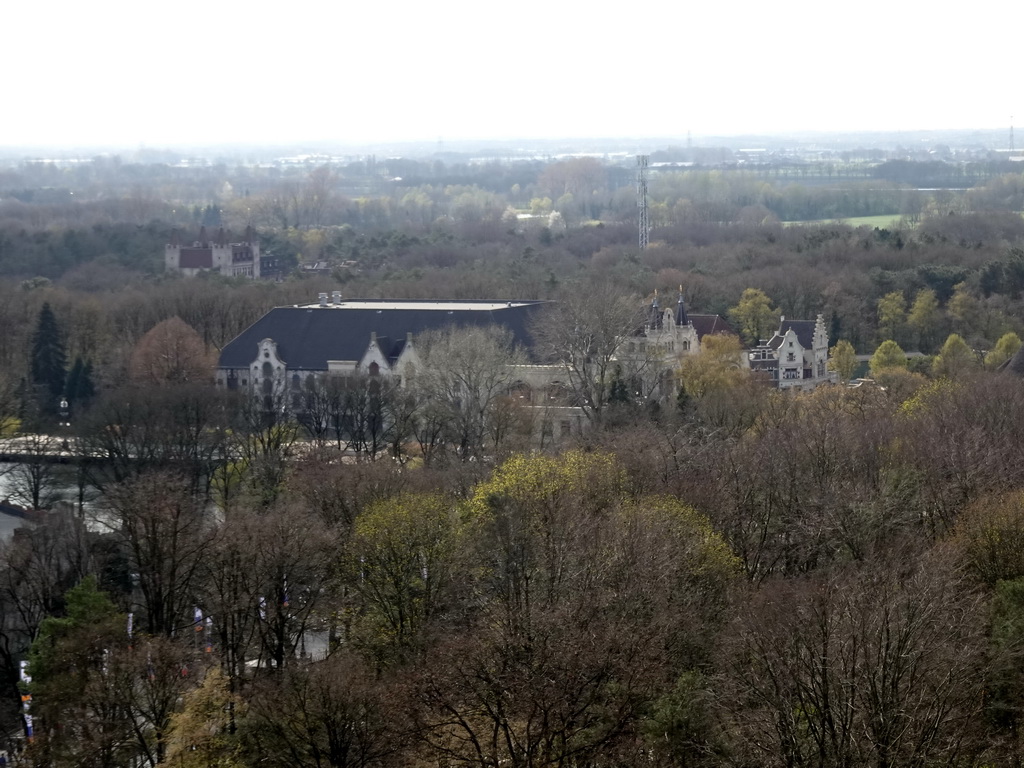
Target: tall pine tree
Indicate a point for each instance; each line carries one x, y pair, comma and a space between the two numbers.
49, 360
80, 388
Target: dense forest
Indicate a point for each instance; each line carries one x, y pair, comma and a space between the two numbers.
727, 576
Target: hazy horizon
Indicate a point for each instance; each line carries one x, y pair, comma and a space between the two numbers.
118, 74
990, 139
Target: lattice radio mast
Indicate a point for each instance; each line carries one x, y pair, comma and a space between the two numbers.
641, 199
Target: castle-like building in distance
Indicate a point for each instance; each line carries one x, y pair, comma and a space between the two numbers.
217, 254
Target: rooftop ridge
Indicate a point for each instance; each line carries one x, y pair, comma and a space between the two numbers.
422, 304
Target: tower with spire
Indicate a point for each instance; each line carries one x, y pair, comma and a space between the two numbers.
670, 332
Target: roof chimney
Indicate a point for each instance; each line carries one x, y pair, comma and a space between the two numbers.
323, 299
336, 297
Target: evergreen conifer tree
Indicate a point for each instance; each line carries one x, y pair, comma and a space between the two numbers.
71, 385
49, 360
80, 388
86, 390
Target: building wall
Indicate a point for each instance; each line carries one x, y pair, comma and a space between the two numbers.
223, 259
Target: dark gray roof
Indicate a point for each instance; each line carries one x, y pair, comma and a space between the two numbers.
308, 336
12, 517
705, 324
1015, 364
804, 330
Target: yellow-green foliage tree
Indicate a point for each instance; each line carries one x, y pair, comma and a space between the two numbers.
889, 368
892, 315
990, 533
754, 316
201, 734
403, 555
717, 386
10, 423
540, 206
587, 604
717, 367
955, 358
1004, 349
925, 319
843, 359
963, 309
537, 482
889, 355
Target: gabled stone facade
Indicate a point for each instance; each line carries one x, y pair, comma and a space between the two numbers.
796, 357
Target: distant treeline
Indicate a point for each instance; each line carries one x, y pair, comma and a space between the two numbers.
398, 192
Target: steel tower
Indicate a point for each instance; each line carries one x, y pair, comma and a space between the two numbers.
641, 198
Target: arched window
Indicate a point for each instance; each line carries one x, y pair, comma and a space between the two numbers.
557, 394
374, 369
521, 392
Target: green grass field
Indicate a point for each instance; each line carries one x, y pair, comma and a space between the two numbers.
881, 222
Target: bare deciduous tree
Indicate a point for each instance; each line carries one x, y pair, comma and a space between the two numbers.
465, 373
870, 665
582, 333
336, 713
165, 533
171, 353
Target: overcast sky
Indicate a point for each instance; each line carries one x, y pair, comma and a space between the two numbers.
213, 71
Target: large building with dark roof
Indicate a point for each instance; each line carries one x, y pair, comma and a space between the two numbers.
274, 356
336, 336
377, 336
796, 356
279, 351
